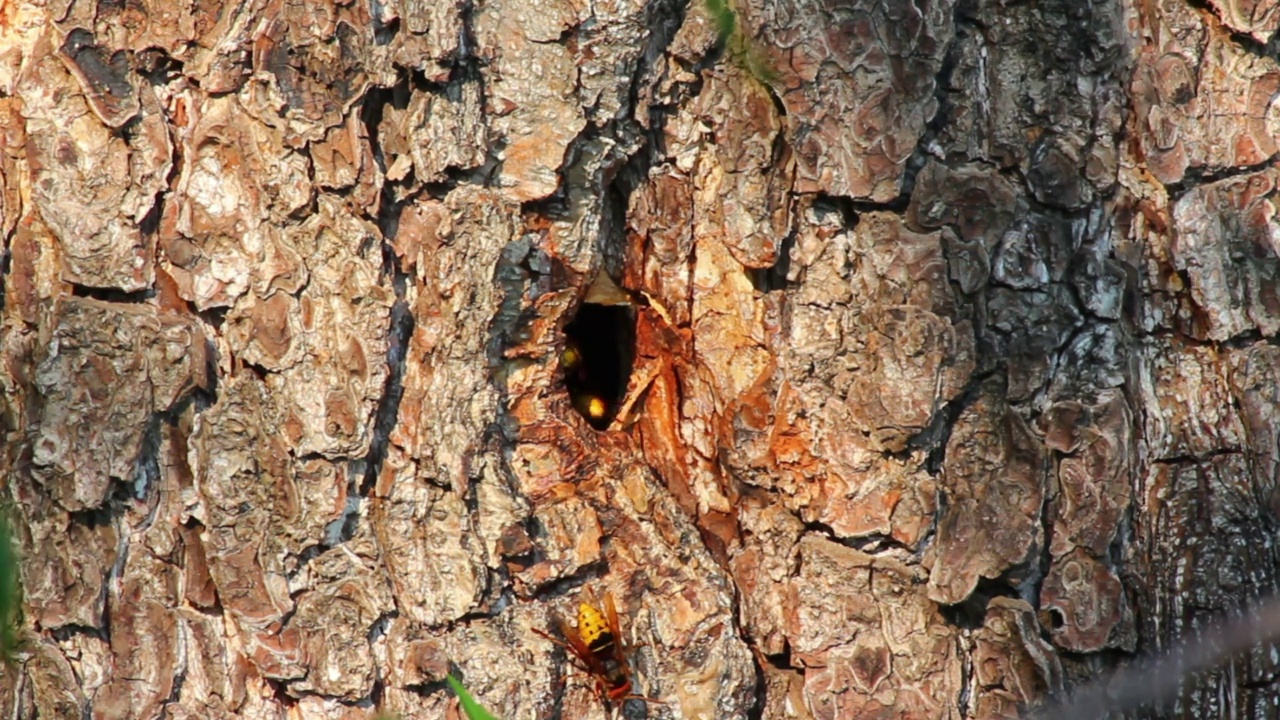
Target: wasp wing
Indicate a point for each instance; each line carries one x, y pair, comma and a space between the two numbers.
573, 643
611, 614
620, 645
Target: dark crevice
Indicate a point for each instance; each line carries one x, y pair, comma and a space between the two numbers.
926, 146
259, 371
372, 107
898, 204
112, 294
870, 544
1038, 564
466, 60
104, 72
149, 225
491, 583
612, 241
782, 660
779, 107
378, 629
68, 633
344, 527
1063, 358
401, 317
933, 439
402, 325
1240, 341
1196, 459
215, 316
644, 145
202, 398
846, 208
157, 66
555, 205
465, 620
483, 175
92, 519
760, 693
1247, 42
304, 558
377, 690
175, 690
965, 699
123, 546
384, 32
508, 324
280, 692
569, 584
558, 681
428, 689
774, 277
146, 469
311, 207
664, 18
176, 168
1198, 176
971, 612
6, 263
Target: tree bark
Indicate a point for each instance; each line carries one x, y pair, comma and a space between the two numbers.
933, 342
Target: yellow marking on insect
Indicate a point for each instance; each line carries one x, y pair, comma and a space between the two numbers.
570, 359
591, 625
590, 405
596, 407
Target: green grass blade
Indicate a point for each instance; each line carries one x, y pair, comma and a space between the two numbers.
468, 703
10, 593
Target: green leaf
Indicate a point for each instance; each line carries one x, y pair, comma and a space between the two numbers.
468, 703
10, 600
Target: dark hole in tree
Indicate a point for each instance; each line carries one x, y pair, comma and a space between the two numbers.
604, 338
1056, 619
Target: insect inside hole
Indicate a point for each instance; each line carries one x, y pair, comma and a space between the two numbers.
598, 645
583, 390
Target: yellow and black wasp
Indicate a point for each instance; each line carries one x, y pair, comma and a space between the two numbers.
597, 644
583, 388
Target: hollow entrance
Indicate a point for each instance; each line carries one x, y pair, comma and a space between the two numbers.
599, 350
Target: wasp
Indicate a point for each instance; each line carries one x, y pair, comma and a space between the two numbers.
586, 399
571, 361
597, 644
593, 407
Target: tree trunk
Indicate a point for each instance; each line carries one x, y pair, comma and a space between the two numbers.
906, 359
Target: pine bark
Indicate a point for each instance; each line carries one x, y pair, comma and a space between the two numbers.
948, 328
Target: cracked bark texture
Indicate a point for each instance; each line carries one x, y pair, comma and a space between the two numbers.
955, 375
